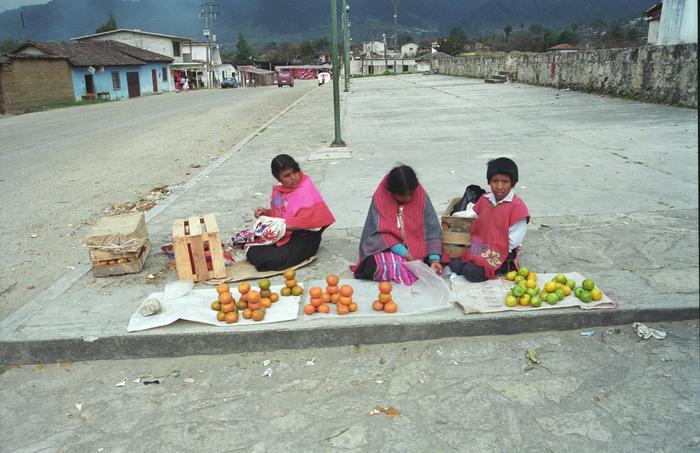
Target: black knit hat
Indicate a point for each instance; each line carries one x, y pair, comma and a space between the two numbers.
502, 166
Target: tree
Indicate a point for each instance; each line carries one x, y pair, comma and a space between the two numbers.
109, 25
565, 37
244, 52
9, 44
536, 29
453, 44
507, 29
272, 45
307, 52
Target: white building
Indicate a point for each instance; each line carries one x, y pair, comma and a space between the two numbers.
672, 22
373, 46
409, 49
198, 52
190, 57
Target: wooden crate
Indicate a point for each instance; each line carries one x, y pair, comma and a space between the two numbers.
194, 240
455, 232
127, 264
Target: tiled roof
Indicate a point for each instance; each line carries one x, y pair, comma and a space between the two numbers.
563, 47
97, 53
434, 56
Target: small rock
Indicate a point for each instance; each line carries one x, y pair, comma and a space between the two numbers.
34, 236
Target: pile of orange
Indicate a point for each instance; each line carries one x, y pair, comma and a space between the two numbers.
341, 296
225, 305
255, 303
384, 300
291, 287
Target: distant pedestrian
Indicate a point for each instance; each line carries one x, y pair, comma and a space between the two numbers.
185, 84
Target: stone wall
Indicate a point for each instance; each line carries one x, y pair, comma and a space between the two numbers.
34, 82
664, 74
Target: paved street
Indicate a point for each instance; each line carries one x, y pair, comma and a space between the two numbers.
609, 392
60, 170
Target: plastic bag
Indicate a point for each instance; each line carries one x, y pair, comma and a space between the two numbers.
428, 278
471, 195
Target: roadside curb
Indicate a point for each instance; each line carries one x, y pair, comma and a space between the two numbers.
312, 335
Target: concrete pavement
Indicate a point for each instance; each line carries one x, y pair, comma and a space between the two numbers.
611, 184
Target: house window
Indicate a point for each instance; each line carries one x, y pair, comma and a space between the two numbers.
116, 81
165, 74
176, 48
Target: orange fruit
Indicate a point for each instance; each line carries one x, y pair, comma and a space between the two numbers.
247, 313
316, 301
243, 288
346, 290
241, 304
332, 280
596, 294
228, 308
323, 308
286, 292
297, 291
352, 307
230, 318
390, 307
342, 309
255, 306
326, 298
316, 292
258, 315
226, 298
377, 306
274, 297
550, 286
265, 293
289, 274
334, 298
332, 289
216, 305
223, 288
253, 297
384, 297
385, 287
265, 302
309, 309
567, 290
290, 283
345, 300
264, 284
220, 316
244, 297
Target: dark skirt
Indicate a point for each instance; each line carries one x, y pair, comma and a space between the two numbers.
302, 245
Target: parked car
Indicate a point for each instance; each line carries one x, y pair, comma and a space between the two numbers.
285, 78
229, 82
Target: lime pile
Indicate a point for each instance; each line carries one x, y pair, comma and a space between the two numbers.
526, 291
588, 292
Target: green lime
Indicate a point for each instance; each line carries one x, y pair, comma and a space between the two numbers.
519, 280
586, 296
511, 275
511, 301
577, 291
518, 290
536, 301
532, 292
561, 278
552, 298
570, 283
588, 284
559, 293
523, 271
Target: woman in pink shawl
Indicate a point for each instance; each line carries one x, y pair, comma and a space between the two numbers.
297, 200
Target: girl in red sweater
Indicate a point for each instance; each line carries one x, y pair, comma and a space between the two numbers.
498, 230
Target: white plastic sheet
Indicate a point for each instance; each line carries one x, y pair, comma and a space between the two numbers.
179, 301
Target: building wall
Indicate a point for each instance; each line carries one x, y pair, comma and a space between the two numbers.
161, 45
29, 83
666, 74
103, 80
679, 22
653, 32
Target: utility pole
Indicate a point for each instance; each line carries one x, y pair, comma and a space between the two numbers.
209, 12
396, 15
386, 61
346, 42
338, 141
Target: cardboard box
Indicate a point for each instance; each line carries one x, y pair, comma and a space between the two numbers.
456, 236
118, 244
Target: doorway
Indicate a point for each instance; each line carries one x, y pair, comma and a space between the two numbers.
89, 84
154, 77
132, 81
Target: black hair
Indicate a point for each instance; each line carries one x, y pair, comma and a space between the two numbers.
502, 166
401, 180
281, 162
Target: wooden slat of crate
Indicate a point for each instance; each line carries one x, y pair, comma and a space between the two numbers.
217, 252
181, 250
199, 259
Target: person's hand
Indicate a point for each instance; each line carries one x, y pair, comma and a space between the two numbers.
409, 257
257, 212
436, 266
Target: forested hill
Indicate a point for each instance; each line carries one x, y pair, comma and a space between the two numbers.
262, 21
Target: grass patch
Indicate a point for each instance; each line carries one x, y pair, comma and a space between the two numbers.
62, 105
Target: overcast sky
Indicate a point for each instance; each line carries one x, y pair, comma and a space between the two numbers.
12, 4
